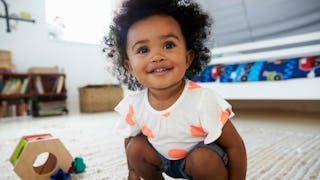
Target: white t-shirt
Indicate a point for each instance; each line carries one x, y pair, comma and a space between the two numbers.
198, 115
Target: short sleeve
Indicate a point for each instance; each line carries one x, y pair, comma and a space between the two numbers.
126, 125
214, 113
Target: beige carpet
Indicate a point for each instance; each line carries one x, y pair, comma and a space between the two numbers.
278, 146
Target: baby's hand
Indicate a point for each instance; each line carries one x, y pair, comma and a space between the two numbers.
133, 176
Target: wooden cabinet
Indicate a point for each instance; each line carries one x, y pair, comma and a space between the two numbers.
34, 94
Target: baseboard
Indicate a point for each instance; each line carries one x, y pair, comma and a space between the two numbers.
300, 106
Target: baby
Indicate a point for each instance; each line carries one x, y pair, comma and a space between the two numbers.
170, 124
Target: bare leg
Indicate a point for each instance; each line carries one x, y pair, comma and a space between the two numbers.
132, 174
143, 159
205, 164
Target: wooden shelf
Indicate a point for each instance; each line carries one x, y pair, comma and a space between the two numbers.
14, 96
51, 94
41, 88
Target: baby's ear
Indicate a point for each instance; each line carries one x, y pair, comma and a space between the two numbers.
190, 57
128, 65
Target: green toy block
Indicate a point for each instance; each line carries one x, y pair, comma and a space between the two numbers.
17, 152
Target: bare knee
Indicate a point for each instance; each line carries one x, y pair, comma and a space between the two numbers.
135, 146
203, 163
143, 159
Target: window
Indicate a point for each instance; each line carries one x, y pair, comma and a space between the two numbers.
85, 21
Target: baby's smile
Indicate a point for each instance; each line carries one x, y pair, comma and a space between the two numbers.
159, 70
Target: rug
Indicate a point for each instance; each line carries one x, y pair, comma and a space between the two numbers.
276, 150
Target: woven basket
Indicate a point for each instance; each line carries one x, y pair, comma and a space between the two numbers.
99, 98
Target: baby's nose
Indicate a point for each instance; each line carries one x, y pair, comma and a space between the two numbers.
157, 58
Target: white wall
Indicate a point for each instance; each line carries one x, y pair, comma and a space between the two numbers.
83, 64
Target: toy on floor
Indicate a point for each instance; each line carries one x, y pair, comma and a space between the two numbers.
28, 151
61, 175
78, 165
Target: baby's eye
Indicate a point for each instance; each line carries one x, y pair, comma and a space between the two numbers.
169, 45
142, 50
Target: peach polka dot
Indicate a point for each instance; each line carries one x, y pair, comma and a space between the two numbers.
224, 117
129, 117
166, 114
177, 153
147, 131
197, 131
193, 86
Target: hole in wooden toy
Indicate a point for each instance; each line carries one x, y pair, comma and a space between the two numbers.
45, 163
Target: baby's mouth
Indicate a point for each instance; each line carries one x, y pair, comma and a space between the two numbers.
159, 70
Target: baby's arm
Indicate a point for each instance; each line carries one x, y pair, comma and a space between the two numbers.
232, 143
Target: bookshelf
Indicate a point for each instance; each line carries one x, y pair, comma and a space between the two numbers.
49, 94
36, 94
15, 94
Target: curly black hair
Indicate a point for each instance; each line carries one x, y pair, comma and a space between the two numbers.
194, 22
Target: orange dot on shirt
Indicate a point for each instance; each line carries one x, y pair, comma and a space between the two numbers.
166, 114
193, 85
197, 131
147, 131
224, 117
129, 117
177, 153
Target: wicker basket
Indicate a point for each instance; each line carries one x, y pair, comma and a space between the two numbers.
99, 98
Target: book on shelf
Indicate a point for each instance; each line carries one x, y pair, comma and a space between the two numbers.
52, 108
52, 103
24, 86
30, 107
14, 89
1, 83
11, 86
4, 109
23, 109
6, 86
59, 84
39, 86
13, 109
51, 112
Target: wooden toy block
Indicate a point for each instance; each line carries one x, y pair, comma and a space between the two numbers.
28, 150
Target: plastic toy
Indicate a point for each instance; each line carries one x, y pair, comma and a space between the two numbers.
78, 165
61, 175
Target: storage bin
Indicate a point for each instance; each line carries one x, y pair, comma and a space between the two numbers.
5, 60
99, 98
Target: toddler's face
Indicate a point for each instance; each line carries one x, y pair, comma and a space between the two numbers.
157, 54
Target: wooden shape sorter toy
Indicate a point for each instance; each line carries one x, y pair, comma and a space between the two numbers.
34, 147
